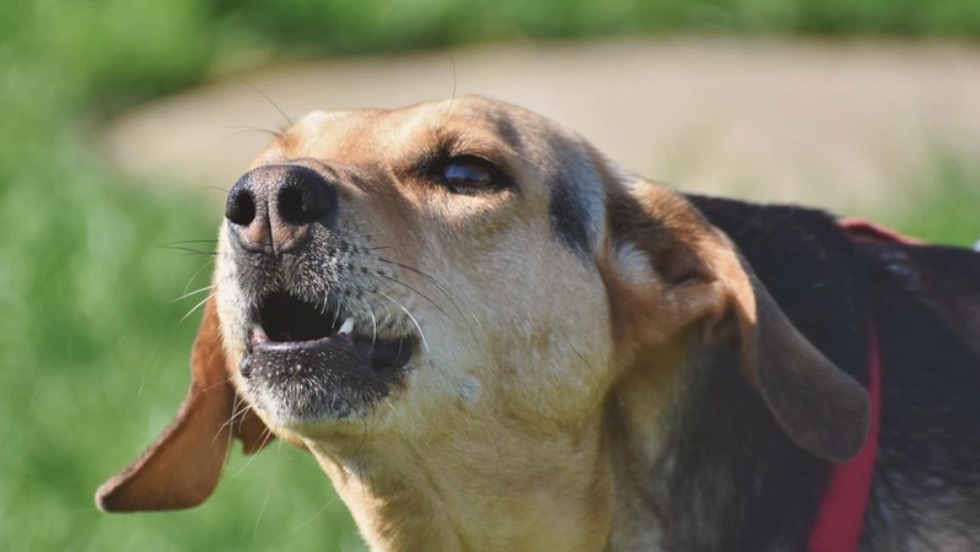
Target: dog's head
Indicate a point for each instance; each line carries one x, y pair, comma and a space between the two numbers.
456, 279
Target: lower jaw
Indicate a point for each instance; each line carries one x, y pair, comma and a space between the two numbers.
307, 387
311, 416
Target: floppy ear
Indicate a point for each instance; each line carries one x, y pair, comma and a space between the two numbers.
181, 468
668, 270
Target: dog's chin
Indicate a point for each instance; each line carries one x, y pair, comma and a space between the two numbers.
303, 369
330, 379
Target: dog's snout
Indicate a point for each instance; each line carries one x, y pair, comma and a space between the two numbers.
273, 209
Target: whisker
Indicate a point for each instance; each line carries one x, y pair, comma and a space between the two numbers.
420, 294
180, 242
409, 314
336, 314
478, 323
197, 273
364, 435
374, 324
217, 434
440, 286
452, 58
225, 381
258, 517
452, 98
243, 129
192, 293
316, 514
228, 424
155, 358
239, 408
195, 307
268, 99
391, 406
189, 250
266, 432
461, 322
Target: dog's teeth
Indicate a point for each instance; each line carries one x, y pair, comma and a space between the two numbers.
347, 327
258, 334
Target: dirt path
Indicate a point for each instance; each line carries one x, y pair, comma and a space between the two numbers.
836, 124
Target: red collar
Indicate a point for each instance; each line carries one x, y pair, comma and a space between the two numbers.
845, 501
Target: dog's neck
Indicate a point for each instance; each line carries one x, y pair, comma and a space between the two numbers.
702, 465
635, 429
649, 474
591, 490
426, 496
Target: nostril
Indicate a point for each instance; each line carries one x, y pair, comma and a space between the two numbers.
275, 209
240, 208
292, 206
305, 197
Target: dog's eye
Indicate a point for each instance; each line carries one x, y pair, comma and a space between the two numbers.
470, 175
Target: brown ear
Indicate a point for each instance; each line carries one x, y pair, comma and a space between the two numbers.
181, 468
668, 269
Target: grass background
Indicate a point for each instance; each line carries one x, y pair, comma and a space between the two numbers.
90, 265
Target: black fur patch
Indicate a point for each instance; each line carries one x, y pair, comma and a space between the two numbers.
507, 130
732, 480
926, 478
570, 218
811, 269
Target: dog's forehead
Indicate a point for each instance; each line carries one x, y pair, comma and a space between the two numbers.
551, 162
484, 126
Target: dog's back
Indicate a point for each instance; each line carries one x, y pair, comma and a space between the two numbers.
923, 305
927, 308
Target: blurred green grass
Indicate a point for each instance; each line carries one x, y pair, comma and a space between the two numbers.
944, 206
92, 347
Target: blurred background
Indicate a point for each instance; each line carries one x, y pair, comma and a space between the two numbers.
122, 125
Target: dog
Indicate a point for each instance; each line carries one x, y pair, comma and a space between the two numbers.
492, 338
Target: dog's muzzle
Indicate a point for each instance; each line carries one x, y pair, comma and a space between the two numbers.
308, 357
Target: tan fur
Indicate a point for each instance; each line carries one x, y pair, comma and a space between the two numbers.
536, 360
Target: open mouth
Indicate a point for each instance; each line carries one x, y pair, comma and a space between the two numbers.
286, 322
311, 362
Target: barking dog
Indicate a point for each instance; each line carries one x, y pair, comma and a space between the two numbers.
551, 354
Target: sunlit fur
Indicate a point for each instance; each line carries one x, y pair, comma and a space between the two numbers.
553, 317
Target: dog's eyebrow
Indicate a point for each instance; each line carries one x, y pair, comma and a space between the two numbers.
568, 217
577, 209
508, 132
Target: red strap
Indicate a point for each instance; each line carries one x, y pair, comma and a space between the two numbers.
842, 512
845, 501
866, 231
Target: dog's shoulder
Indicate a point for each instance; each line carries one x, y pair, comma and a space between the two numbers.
927, 306
833, 286
945, 279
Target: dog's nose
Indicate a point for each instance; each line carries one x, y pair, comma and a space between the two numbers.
273, 209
